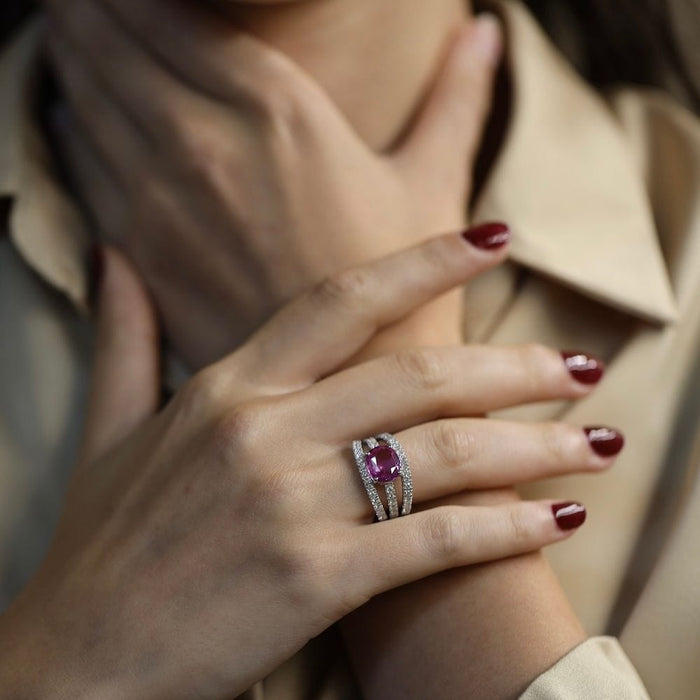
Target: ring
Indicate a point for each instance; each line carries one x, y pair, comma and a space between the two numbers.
382, 461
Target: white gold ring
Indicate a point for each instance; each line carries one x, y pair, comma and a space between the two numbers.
382, 461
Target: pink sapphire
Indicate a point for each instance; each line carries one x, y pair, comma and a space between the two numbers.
383, 464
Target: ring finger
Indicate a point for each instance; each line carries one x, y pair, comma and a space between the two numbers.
473, 454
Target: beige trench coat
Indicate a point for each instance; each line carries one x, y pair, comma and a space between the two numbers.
604, 198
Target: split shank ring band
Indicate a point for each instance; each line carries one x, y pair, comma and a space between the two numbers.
382, 461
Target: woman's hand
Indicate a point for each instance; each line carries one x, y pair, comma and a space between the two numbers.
201, 546
230, 178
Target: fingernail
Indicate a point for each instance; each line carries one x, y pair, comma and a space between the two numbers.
486, 39
605, 442
96, 261
490, 236
569, 515
584, 368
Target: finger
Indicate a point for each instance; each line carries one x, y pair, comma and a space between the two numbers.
397, 552
451, 456
132, 79
125, 376
448, 131
414, 386
97, 184
325, 327
113, 135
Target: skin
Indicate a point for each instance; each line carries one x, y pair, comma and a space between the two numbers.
520, 594
253, 185
113, 611
402, 69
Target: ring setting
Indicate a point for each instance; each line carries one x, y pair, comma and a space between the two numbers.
382, 461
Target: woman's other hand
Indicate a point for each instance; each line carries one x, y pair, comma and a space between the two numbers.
202, 545
230, 178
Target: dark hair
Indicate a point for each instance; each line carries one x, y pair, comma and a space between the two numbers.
626, 41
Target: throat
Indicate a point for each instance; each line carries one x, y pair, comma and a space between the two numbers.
374, 58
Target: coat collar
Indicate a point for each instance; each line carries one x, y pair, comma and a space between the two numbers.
565, 180
45, 225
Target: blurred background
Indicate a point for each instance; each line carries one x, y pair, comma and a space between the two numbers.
11, 14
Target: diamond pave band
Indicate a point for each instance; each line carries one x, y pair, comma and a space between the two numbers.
381, 460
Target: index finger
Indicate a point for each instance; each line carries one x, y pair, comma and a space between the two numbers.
316, 334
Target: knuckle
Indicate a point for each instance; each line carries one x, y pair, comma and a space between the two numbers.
279, 103
348, 289
149, 209
559, 442
173, 119
422, 368
437, 255
443, 534
536, 355
311, 578
303, 568
204, 393
239, 429
519, 532
536, 360
272, 490
239, 439
203, 154
198, 148
454, 445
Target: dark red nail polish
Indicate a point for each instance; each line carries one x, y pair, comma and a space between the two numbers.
584, 368
491, 236
605, 442
569, 515
96, 262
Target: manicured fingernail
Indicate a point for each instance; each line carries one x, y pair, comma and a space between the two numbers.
584, 368
490, 236
96, 262
486, 41
569, 515
605, 442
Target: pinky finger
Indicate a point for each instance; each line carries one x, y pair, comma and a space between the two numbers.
400, 551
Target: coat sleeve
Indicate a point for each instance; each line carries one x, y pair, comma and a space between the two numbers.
598, 668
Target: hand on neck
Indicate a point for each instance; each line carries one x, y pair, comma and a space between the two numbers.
375, 58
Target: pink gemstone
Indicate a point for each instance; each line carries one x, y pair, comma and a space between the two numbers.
383, 464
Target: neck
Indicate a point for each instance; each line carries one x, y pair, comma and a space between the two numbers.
374, 58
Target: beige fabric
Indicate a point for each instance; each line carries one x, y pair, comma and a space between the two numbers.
571, 679
603, 196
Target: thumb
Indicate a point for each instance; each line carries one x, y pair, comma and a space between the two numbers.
124, 387
446, 135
